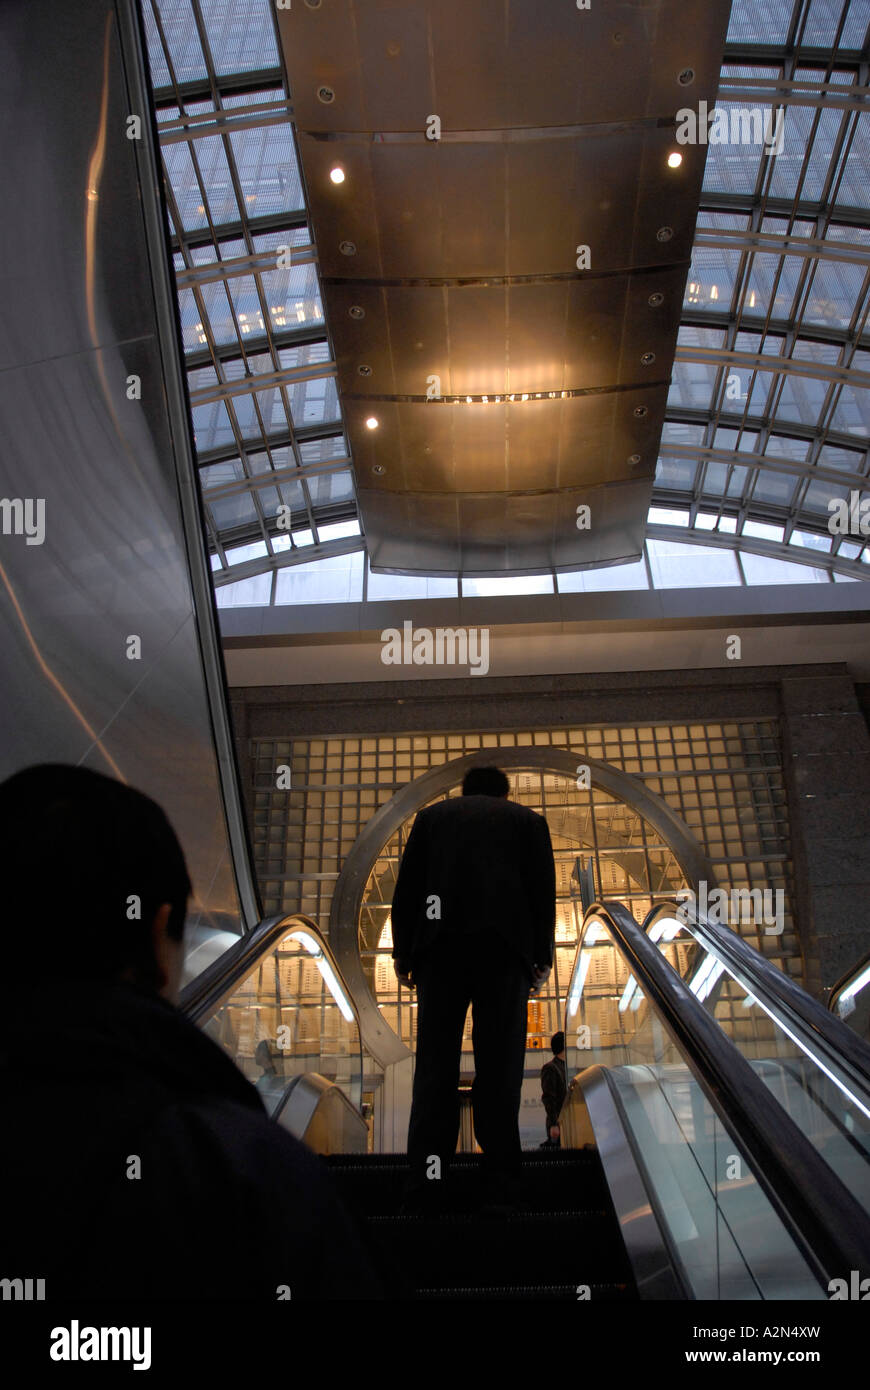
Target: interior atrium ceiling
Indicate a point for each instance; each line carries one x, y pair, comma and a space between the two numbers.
767, 417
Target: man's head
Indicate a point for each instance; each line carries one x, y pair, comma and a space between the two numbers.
557, 1043
485, 781
94, 879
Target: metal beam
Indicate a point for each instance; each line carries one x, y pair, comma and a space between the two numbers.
305, 335
274, 479
224, 122
702, 453
249, 569
211, 271
763, 362
772, 550
226, 390
783, 92
770, 242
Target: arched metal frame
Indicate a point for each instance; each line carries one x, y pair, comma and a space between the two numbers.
347, 901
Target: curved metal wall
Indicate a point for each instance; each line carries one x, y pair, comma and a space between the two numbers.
100, 541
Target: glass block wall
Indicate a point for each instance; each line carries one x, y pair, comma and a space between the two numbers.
724, 780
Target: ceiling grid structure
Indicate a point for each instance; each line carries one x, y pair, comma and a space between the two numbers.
768, 415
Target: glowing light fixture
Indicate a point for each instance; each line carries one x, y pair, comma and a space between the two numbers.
337, 174
675, 159
326, 970
372, 422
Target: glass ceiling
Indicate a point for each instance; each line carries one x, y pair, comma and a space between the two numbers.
768, 414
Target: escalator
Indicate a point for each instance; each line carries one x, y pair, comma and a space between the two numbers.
561, 1242
276, 1003
716, 1134
735, 1103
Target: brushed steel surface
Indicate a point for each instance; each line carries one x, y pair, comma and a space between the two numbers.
562, 335
424, 209
78, 321
655, 1265
466, 254
535, 445
496, 64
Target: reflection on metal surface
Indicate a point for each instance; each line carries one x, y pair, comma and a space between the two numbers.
53, 680
319, 1113
591, 1113
104, 644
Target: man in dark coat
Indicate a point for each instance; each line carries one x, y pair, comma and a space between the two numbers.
473, 918
139, 1162
554, 1088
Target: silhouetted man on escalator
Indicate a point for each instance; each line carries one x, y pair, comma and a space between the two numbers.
554, 1088
473, 919
146, 1167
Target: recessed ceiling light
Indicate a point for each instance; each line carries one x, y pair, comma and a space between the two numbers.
372, 422
675, 159
337, 174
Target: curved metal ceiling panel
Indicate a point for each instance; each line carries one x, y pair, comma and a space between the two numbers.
529, 247
496, 64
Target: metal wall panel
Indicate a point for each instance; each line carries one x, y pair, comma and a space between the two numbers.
94, 431
534, 240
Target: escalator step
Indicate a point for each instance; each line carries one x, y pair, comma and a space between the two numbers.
385, 1197
459, 1251
531, 1158
568, 1293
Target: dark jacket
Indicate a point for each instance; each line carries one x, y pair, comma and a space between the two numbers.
227, 1204
554, 1088
476, 864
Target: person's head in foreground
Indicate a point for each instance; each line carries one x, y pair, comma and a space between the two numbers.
97, 866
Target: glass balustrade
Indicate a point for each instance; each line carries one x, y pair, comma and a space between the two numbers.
723, 1234
291, 1016
828, 1102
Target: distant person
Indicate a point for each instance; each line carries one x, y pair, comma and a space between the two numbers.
270, 1085
473, 917
141, 1164
554, 1088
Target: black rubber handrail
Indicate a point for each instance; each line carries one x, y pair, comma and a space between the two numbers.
203, 996
829, 1226
816, 1024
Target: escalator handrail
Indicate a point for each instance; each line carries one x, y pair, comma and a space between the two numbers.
842, 983
828, 1224
805, 1015
203, 996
